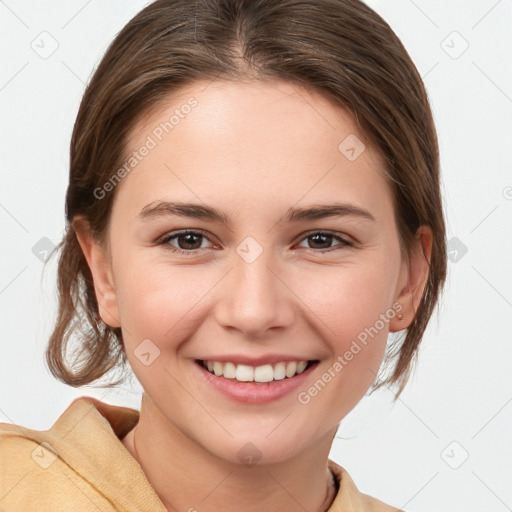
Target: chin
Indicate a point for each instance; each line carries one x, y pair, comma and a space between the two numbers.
249, 451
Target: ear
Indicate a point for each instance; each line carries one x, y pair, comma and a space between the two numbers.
413, 280
99, 264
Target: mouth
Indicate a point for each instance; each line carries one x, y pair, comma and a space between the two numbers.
262, 374
255, 384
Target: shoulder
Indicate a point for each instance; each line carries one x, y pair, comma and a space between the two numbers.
372, 504
39, 468
16, 446
34, 475
349, 497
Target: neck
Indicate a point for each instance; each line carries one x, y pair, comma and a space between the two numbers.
187, 477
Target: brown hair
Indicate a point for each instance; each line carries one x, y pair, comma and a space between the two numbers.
340, 48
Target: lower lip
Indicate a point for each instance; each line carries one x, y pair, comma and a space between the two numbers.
252, 393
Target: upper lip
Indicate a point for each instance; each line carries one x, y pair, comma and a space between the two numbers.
256, 361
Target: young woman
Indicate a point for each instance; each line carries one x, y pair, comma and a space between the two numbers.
253, 207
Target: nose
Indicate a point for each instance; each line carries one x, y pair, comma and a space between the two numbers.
255, 298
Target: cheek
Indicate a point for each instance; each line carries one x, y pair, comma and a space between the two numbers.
158, 300
347, 299
354, 306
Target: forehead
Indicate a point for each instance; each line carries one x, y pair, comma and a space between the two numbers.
258, 143
256, 111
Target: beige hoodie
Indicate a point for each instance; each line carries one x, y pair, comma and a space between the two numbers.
69, 468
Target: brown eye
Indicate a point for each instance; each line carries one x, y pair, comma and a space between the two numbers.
321, 240
189, 241
184, 242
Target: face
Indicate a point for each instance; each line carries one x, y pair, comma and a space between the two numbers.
256, 269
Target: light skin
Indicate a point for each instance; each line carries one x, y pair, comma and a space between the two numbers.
253, 151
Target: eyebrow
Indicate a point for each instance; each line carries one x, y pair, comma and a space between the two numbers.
202, 211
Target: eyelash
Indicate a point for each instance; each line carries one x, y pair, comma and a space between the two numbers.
345, 242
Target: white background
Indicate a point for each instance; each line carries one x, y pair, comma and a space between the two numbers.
460, 396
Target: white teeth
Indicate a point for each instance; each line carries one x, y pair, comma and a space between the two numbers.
291, 368
218, 368
244, 373
279, 371
229, 371
301, 366
264, 373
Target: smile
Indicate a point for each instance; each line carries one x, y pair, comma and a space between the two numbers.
262, 374
255, 384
